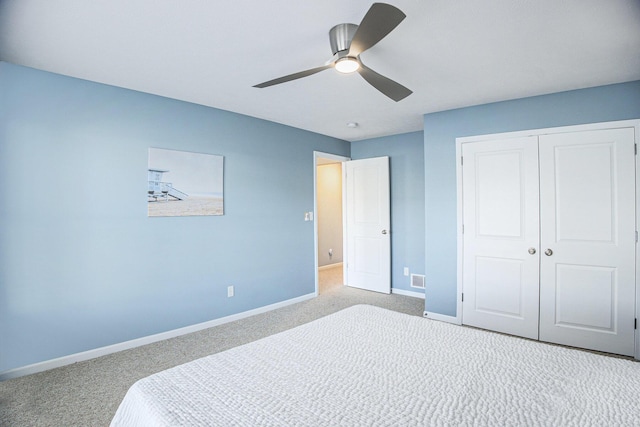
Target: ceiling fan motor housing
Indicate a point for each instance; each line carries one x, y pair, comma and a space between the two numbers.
340, 37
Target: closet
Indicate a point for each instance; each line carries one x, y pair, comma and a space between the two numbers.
548, 235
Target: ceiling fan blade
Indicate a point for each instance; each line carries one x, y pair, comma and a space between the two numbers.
379, 21
293, 76
393, 90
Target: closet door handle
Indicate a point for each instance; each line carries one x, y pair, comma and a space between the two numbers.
532, 251
548, 252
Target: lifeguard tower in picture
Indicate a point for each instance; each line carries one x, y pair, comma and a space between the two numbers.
159, 190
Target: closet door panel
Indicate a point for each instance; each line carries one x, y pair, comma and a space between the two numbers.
500, 217
587, 220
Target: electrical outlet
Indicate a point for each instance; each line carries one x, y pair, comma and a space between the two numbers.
406, 271
230, 291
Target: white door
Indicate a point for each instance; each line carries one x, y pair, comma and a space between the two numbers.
587, 215
500, 223
368, 218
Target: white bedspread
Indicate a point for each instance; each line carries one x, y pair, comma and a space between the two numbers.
366, 366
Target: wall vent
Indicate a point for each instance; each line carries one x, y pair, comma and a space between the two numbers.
417, 281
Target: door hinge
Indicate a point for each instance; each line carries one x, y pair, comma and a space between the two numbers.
635, 323
635, 149
461, 160
636, 237
462, 297
463, 230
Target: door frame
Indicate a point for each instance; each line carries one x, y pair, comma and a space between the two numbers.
338, 158
635, 123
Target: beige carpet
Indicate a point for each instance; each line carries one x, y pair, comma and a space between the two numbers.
88, 393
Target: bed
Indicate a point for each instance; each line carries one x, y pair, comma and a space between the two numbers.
370, 366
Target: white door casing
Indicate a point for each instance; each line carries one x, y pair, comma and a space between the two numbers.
318, 158
368, 219
587, 215
501, 256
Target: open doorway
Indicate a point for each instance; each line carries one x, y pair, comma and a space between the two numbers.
329, 221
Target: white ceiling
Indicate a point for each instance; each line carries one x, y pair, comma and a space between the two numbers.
451, 53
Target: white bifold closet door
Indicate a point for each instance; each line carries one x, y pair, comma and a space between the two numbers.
587, 236
549, 238
501, 224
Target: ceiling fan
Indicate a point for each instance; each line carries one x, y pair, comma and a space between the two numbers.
348, 41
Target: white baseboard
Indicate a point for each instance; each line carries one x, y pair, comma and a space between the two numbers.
103, 351
407, 293
443, 318
328, 266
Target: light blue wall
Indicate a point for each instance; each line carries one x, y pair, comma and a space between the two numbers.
407, 200
81, 264
599, 104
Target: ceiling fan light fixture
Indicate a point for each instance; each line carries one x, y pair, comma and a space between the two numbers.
347, 65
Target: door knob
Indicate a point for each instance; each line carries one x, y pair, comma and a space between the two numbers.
548, 252
532, 251
384, 231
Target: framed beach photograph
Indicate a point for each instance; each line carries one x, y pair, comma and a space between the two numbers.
183, 183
